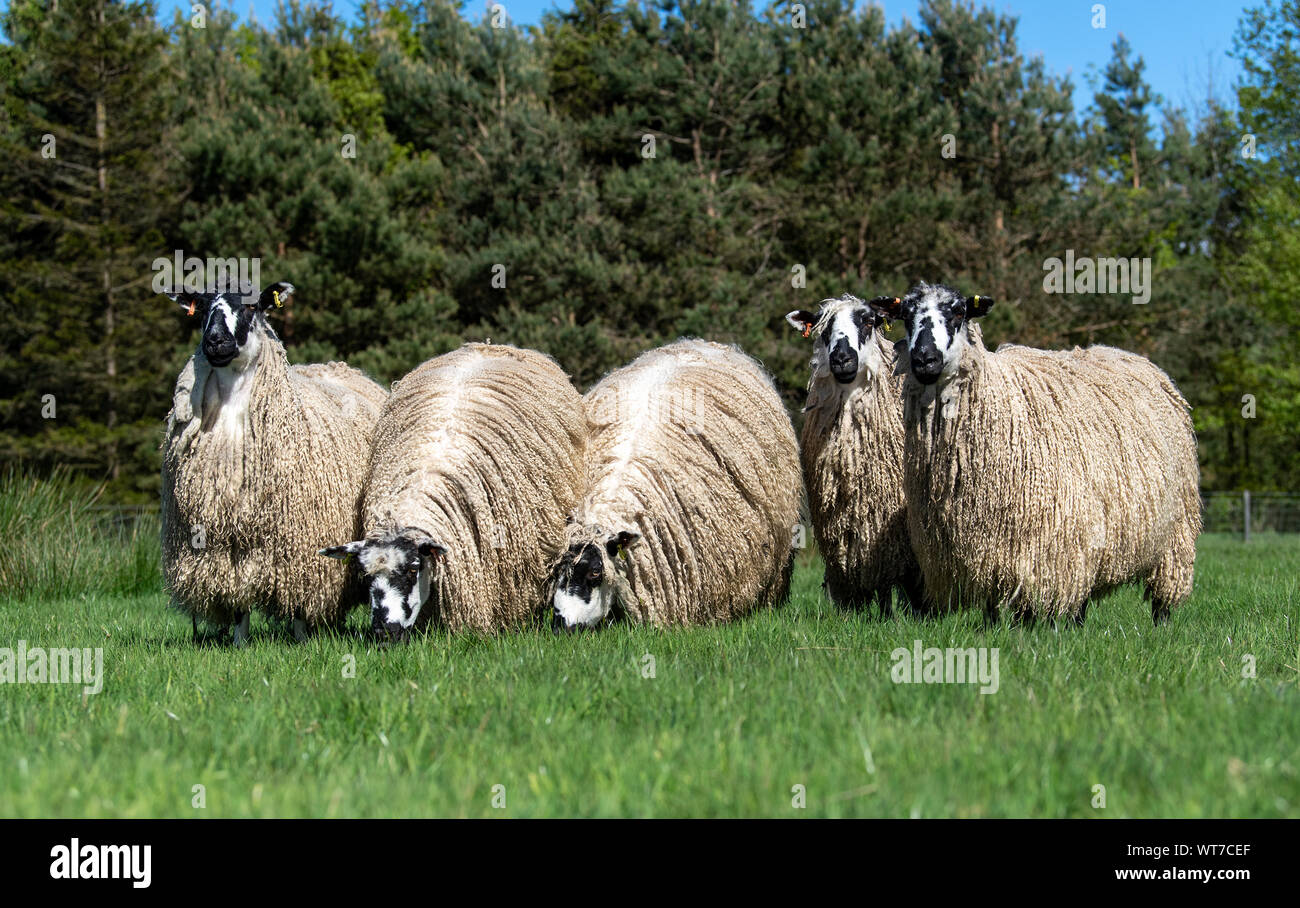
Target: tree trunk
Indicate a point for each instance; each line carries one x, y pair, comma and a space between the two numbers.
110, 316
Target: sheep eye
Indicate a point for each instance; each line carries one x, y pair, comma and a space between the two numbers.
594, 575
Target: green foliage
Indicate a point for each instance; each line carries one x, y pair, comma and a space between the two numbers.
625, 173
87, 200
1265, 264
61, 541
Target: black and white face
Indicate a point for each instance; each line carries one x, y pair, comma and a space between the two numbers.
584, 589
935, 317
843, 345
233, 325
399, 574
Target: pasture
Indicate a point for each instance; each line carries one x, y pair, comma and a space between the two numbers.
714, 722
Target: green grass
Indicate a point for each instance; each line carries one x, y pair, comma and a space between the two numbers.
733, 718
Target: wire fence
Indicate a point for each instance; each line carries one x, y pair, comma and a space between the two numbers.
1242, 513
127, 518
1249, 513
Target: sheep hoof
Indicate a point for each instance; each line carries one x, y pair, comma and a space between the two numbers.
300, 630
241, 631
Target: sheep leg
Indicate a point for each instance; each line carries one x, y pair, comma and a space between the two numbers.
915, 603
1171, 581
241, 630
194, 620
1080, 615
991, 613
300, 630
885, 596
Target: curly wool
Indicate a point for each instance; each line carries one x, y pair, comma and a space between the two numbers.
245, 509
851, 448
1038, 479
482, 450
691, 447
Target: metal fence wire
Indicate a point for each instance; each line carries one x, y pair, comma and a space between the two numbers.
1243, 513
1247, 513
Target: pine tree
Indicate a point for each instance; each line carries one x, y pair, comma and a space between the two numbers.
86, 203
1123, 103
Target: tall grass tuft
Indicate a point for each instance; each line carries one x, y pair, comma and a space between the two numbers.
57, 539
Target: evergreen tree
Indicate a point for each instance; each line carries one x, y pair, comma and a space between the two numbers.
87, 199
1123, 104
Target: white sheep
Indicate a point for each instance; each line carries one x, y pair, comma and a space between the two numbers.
1037, 480
851, 448
478, 458
692, 498
262, 464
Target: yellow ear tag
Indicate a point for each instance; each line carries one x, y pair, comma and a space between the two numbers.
347, 557
278, 304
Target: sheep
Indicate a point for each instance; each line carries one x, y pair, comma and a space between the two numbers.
693, 494
1037, 480
262, 464
477, 459
851, 448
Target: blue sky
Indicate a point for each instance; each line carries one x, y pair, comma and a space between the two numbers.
1185, 42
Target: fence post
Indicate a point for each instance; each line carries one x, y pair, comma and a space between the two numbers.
1245, 501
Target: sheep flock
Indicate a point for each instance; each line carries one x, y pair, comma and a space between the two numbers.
484, 492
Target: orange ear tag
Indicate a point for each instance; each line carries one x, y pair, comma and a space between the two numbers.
190, 311
807, 329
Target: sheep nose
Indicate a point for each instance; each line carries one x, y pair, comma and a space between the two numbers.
220, 351
926, 366
389, 631
843, 361
926, 361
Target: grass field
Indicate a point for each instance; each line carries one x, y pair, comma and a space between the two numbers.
733, 718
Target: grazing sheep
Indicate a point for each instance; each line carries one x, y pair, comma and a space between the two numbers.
692, 498
262, 464
1039, 479
851, 448
477, 460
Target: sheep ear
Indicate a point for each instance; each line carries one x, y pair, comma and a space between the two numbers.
900, 357
344, 551
977, 306
620, 541
430, 549
888, 306
274, 296
801, 320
